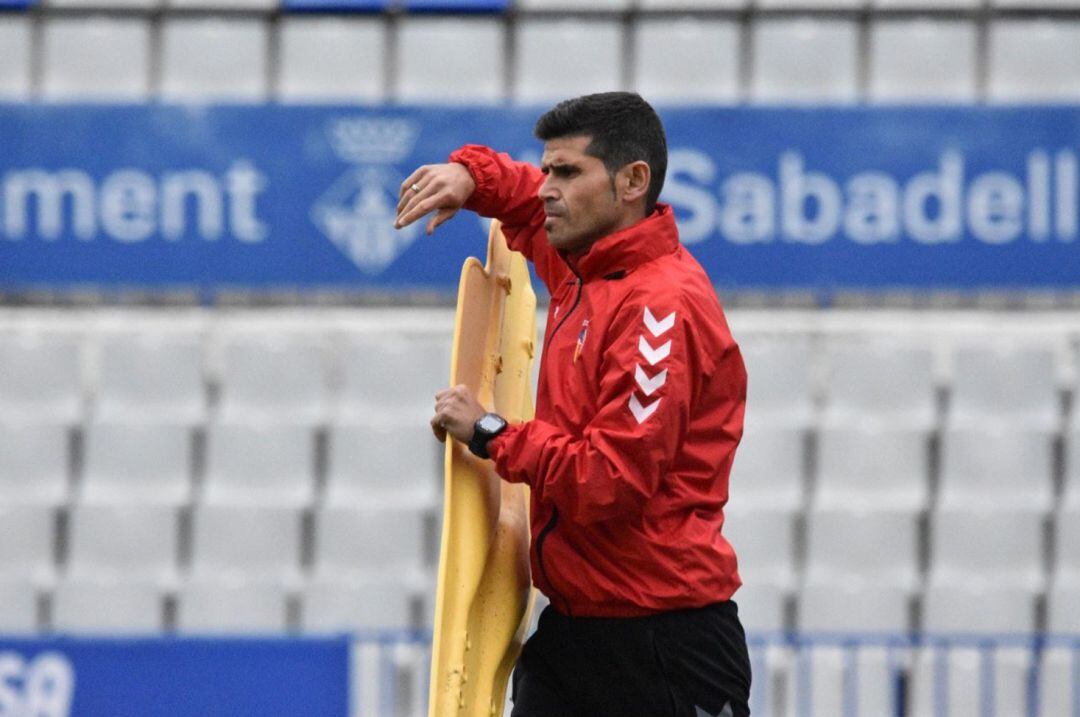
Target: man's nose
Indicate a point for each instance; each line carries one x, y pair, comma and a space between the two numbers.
548, 192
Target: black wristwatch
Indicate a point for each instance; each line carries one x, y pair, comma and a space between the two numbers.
486, 427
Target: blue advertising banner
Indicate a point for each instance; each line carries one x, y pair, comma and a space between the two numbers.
282, 197
61, 677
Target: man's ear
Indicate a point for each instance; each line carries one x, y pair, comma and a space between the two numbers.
634, 181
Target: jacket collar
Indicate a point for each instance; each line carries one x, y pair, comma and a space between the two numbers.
620, 253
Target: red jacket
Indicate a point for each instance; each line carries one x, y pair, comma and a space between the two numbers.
639, 409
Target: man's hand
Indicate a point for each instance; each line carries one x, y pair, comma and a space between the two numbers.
443, 188
456, 412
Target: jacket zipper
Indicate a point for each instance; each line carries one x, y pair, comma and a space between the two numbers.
550, 525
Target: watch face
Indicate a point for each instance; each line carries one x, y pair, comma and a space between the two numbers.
490, 423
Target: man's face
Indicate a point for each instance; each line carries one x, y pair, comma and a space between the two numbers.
578, 196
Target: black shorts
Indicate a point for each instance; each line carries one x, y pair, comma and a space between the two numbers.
685, 663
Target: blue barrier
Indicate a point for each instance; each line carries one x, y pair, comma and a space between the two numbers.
181, 677
281, 197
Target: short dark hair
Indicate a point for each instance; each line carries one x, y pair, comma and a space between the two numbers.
624, 128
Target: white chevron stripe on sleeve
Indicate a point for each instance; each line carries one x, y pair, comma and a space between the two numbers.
649, 385
657, 328
642, 413
653, 355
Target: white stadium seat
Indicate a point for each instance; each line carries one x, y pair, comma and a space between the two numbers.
40, 377
369, 539
15, 53
768, 468
143, 463
214, 59
852, 681
96, 58
686, 60
248, 541
1067, 544
231, 606
255, 463
849, 607
1004, 467
333, 604
1056, 686
104, 4
971, 683
470, 60
211, 5
27, 540
128, 541
392, 377
764, 541
1072, 458
804, 60
595, 5
1034, 60
332, 59
277, 377
862, 548
18, 606
691, 4
780, 380
557, 59
33, 462
1005, 384
1062, 603
886, 384
107, 607
762, 606
872, 468
1003, 546
154, 376
374, 462
922, 60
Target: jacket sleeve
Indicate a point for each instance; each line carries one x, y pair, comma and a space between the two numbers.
509, 191
643, 411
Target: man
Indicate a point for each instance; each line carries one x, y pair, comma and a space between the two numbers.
639, 410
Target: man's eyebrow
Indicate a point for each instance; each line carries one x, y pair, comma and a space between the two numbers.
548, 166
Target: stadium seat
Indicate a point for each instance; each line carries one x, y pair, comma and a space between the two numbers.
369, 539
557, 59
33, 462
96, 58
987, 547
1034, 60
781, 380
136, 462
594, 6
1004, 609
392, 378
1062, 615
231, 606
15, 53
40, 377
151, 376
924, 5
997, 467
18, 606
371, 462
804, 60
1072, 459
969, 682
332, 59
108, 5
277, 377
214, 59
254, 463
691, 4
107, 607
853, 608
850, 681
763, 540
1007, 385
470, 66
1056, 685
882, 384
1067, 543
685, 61
226, 5
333, 604
768, 468
862, 548
248, 541
922, 60
128, 541
27, 541
868, 467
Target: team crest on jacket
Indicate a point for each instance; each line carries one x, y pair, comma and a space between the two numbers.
653, 355
581, 339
